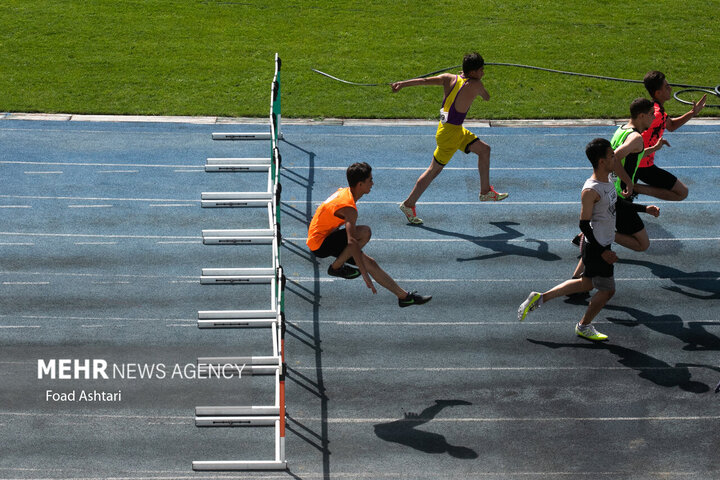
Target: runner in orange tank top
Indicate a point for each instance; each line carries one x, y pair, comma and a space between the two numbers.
334, 232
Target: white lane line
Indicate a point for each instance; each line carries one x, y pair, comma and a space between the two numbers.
89, 206
26, 283
180, 242
513, 240
99, 199
97, 164
692, 418
20, 326
109, 319
118, 171
90, 235
101, 275
632, 370
24, 244
501, 280
504, 202
15, 206
391, 323
111, 283
474, 169
173, 205
44, 173
96, 243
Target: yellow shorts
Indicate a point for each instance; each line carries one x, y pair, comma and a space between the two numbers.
451, 138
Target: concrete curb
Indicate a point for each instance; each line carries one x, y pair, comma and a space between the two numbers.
348, 122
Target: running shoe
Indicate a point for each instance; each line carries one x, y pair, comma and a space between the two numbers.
492, 196
413, 299
532, 302
345, 271
410, 214
590, 333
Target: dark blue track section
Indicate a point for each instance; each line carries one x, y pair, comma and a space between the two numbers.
101, 254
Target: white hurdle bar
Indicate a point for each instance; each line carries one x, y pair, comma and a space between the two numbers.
232, 276
234, 199
237, 164
242, 136
236, 318
261, 236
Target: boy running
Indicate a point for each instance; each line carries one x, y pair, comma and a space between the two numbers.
451, 136
333, 232
597, 222
660, 183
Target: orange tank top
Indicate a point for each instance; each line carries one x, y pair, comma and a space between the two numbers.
324, 221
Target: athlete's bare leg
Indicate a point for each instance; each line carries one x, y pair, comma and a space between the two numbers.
423, 183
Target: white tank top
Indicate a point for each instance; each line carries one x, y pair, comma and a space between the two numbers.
603, 214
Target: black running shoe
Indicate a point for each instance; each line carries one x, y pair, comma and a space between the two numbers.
413, 299
344, 272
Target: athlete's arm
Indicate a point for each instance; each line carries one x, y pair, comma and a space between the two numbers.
350, 216
632, 144
657, 146
438, 80
673, 124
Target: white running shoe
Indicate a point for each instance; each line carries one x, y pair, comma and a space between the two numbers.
532, 302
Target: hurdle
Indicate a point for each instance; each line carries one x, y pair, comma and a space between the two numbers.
272, 318
274, 110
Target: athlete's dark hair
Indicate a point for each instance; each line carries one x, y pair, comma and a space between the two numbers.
597, 149
653, 81
640, 105
471, 62
358, 172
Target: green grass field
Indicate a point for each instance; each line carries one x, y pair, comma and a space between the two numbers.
215, 57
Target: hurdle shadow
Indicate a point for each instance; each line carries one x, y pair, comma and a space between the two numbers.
649, 368
500, 243
705, 281
319, 440
404, 432
694, 335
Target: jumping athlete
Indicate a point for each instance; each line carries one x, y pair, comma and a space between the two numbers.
597, 222
333, 232
660, 183
451, 136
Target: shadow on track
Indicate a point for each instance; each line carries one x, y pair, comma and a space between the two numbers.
404, 432
706, 281
648, 367
500, 243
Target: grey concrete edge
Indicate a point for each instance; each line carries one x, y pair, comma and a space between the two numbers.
210, 120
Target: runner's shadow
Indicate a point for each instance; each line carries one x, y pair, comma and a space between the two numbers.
500, 243
649, 368
707, 281
695, 336
404, 432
